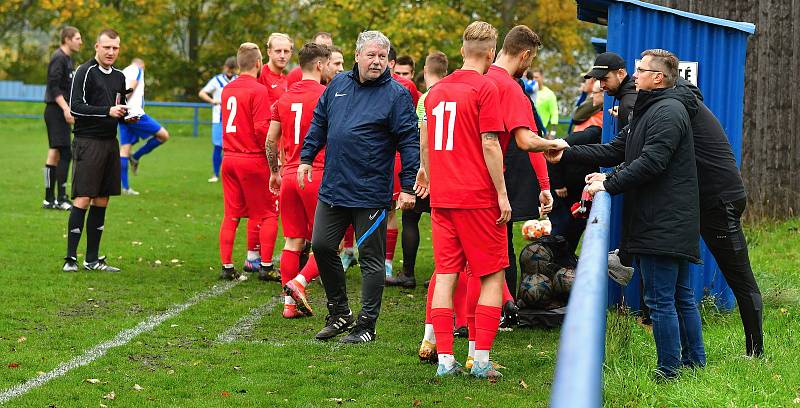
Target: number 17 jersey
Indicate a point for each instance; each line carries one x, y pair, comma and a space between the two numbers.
457, 110
294, 110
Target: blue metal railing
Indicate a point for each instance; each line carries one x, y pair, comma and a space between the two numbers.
195, 121
578, 379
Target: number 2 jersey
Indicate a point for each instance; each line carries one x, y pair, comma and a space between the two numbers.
294, 110
457, 110
245, 116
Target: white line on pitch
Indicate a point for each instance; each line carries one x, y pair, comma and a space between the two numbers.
121, 339
246, 323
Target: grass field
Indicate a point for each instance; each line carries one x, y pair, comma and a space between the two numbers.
231, 348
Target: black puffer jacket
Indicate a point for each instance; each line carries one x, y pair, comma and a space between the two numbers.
659, 179
626, 97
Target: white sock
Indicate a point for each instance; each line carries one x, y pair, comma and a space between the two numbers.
471, 352
447, 360
253, 255
266, 264
429, 335
287, 300
227, 266
482, 356
301, 280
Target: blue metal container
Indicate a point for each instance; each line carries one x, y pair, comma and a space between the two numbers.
718, 47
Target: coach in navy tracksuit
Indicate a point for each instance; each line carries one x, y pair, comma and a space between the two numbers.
361, 120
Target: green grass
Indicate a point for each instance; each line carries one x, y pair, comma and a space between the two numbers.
49, 317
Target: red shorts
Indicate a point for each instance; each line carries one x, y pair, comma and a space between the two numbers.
397, 167
245, 187
468, 236
298, 206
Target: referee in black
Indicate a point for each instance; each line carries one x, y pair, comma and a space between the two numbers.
58, 119
98, 104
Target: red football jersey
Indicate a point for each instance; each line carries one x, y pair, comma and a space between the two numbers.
245, 116
517, 112
515, 108
294, 111
457, 110
276, 83
294, 76
412, 88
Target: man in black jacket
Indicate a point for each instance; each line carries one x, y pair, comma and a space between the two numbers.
722, 202
609, 69
660, 215
58, 119
98, 103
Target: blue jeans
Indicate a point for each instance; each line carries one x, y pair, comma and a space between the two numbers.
676, 321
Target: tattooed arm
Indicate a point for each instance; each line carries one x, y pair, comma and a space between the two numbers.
271, 146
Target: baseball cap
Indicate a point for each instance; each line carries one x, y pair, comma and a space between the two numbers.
607, 61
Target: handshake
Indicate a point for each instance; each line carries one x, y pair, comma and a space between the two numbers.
553, 153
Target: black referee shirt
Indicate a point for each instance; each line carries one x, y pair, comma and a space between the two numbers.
94, 91
59, 76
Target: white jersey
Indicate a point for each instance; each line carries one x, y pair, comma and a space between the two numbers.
136, 99
214, 88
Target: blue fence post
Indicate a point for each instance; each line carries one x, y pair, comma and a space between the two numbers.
578, 379
196, 124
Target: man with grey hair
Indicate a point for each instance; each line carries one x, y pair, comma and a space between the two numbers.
361, 120
661, 225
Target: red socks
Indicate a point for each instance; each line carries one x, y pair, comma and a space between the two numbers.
391, 243
349, 237
227, 234
268, 232
290, 265
253, 231
460, 300
506, 293
487, 320
310, 271
442, 319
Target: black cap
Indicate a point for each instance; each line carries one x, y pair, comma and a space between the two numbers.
607, 61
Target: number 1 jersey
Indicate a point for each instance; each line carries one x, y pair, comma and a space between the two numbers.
457, 110
294, 110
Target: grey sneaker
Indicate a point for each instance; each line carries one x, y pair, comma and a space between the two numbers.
617, 271
99, 265
70, 264
454, 371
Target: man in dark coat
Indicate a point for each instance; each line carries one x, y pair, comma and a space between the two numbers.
660, 215
609, 69
722, 202
361, 120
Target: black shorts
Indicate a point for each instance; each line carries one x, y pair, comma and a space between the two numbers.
58, 129
95, 168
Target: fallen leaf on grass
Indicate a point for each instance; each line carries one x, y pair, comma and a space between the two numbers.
157, 262
40, 373
522, 384
137, 387
173, 325
416, 403
336, 400
103, 406
110, 396
92, 381
796, 400
21, 339
530, 346
237, 368
226, 394
175, 260
13, 365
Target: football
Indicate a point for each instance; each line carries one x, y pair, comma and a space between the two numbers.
563, 281
536, 291
537, 258
532, 229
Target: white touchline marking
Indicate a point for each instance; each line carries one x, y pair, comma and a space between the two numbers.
246, 323
121, 339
